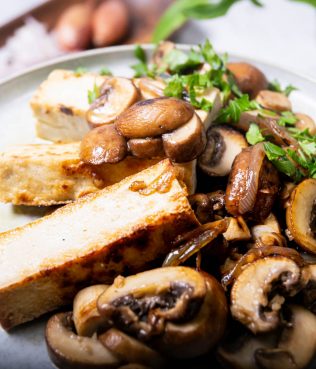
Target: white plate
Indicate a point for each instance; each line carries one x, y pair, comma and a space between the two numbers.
24, 347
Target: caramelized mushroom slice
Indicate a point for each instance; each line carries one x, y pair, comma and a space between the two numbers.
237, 230
305, 122
207, 117
86, 317
116, 95
153, 117
170, 308
160, 52
297, 344
223, 145
146, 148
258, 292
274, 101
268, 233
185, 143
130, 350
301, 214
151, 88
253, 184
103, 145
67, 350
249, 79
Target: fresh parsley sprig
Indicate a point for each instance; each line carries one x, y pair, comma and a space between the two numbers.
276, 86
142, 68
231, 113
94, 93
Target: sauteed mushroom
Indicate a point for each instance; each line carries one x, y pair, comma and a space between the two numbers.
258, 292
161, 51
103, 145
131, 350
151, 88
223, 145
268, 232
146, 148
186, 142
309, 292
296, 346
305, 122
177, 310
67, 350
86, 317
153, 117
116, 95
301, 214
249, 79
208, 117
274, 101
253, 184
237, 230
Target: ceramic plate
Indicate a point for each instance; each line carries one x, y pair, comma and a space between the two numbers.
24, 347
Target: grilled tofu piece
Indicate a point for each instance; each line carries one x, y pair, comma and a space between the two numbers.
60, 104
114, 231
43, 175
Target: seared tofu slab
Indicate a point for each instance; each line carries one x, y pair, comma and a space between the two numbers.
43, 175
114, 231
60, 104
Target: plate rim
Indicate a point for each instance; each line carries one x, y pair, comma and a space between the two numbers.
130, 48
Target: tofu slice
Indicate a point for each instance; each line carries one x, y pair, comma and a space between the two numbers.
114, 231
60, 104
52, 174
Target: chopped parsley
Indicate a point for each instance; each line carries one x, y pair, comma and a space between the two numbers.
142, 68
105, 71
94, 93
231, 113
254, 134
79, 71
287, 118
276, 86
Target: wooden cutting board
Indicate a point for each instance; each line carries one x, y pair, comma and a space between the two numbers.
144, 15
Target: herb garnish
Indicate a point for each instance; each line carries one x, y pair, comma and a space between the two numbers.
231, 113
276, 86
142, 68
254, 134
105, 71
94, 93
79, 71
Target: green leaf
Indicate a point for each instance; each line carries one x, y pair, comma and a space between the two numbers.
174, 87
209, 11
80, 71
257, 3
273, 151
140, 54
179, 61
254, 134
276, 86
231, 113
94, 93
287, 118
308, 147
105, 71
310, 2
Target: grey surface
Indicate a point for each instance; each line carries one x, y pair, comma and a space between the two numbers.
24, 347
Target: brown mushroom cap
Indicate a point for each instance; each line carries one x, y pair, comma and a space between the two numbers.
223, 145
170, 308
130, 350
86, 317
266, 232
249, 79
146, 148
69, 351
274, 101
116, 95
305, 122
253, 184
186, 142
257, 294
153, 117
103, 145
301, 214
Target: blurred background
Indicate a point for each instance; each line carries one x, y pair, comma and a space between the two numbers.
280, 32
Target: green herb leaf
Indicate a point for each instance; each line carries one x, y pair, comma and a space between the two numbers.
209, 11
80, 71
287, 118
105, 72
140, 54
178, 61
231, 113
174, 87
142, 69
308, 147
273, 151
254, 134
257, 3
276, 86
310, 2
94, 93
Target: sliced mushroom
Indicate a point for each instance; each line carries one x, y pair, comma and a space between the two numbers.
151, 88
86, 317
249, 79
309, 292
268, 232
160, 52
153, 117
67, 350
146, 148
170, 308
305, 122
297, 344
253, 184
207, 117
301, 215
207, 206
258, 292
186, 142
237, 230
116, 95
285, 193
103, 145
274, 101
223, 145
130, 350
